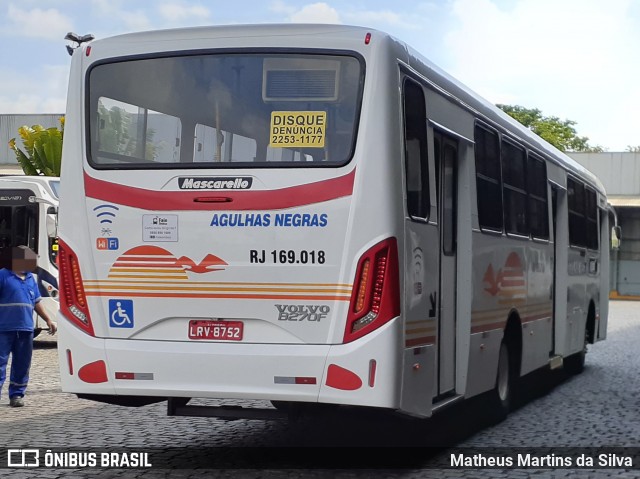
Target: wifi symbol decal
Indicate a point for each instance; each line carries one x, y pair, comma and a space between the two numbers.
105, 213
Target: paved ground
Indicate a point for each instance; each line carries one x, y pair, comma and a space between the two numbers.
598, 408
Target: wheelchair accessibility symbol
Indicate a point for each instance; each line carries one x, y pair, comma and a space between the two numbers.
121, 313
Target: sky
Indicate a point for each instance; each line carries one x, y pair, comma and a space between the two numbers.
572, 59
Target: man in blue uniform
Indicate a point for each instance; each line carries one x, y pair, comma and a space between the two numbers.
19, 296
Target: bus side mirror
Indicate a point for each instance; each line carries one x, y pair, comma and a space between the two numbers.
616, 235
52, 222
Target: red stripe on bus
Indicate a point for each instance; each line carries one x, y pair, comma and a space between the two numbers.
500, 324
165, 266
281, 198
124, 259
487, 327
423, 341
536, 317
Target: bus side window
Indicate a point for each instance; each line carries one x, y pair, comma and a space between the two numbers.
537, 190
577, 203
488, 179
591, 217
415, 143
514, 192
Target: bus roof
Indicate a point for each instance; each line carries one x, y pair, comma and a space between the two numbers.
245, 30
43, 181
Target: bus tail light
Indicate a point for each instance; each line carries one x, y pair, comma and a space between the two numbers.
375, 299
73, 301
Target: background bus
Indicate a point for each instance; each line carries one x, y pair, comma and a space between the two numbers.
312, 215
28, 216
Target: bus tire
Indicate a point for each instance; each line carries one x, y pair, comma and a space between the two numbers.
574, 364
503, 389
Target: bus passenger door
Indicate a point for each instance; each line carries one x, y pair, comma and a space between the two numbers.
446, 158
421, 259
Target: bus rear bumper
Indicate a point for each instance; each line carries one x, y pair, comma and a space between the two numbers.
364, 372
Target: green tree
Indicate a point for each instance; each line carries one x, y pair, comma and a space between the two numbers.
633, 149
42, 154
560, 133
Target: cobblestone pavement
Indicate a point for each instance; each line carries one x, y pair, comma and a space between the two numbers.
599, 408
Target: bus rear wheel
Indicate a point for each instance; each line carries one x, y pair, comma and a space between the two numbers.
502, 391
574, 364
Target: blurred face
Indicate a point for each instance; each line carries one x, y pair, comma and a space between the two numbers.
23, 265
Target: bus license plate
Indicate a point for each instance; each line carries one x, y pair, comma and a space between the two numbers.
216, 330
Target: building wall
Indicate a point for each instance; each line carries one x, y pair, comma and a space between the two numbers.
9, 125
619, 172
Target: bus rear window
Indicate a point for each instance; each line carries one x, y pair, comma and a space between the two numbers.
214, 110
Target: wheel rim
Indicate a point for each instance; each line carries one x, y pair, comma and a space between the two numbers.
503, 374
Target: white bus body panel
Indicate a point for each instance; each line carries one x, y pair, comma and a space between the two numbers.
241, 371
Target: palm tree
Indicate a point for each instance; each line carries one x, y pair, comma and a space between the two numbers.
42, 153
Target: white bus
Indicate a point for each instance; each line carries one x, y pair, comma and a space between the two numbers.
312, 215
28, 216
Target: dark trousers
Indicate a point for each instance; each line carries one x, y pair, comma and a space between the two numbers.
20, 345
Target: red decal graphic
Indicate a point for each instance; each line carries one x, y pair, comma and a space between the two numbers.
152, 261
508, 281
245, 200
491, 280
206, 265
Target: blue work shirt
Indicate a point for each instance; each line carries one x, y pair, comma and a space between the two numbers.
18, 297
